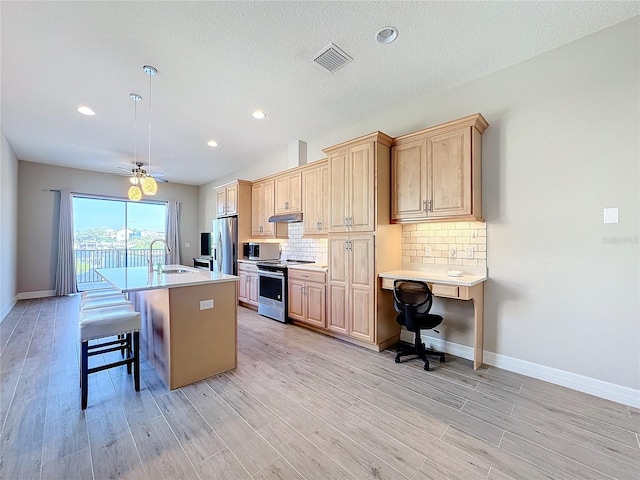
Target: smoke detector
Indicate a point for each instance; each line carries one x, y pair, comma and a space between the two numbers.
332, 58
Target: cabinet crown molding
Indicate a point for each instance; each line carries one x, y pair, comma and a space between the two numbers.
378, 137
476, 121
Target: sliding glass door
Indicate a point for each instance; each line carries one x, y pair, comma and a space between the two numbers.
112, 233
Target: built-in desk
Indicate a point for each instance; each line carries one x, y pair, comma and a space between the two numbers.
467, 287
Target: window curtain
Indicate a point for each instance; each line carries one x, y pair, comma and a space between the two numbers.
66, 270
173, 236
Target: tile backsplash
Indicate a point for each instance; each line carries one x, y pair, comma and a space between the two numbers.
445, 244
298, 248
449, 244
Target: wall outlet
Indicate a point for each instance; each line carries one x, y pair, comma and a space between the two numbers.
469, 252
187, 245
452, 252
427, 250
206, 304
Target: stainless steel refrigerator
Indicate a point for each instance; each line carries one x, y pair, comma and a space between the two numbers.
224, 245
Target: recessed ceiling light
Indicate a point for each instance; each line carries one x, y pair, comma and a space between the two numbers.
85, 110
212, 143
259, 114
387, 35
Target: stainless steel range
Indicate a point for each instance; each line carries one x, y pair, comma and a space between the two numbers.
272, 288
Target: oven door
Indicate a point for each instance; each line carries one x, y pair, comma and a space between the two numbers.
271, 294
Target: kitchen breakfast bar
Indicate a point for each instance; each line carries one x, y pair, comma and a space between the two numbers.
189, 319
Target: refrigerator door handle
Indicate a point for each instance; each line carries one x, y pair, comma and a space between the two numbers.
220, 252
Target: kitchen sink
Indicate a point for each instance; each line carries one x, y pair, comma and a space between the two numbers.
176, 270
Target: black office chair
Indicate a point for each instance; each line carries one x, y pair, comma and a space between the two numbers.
413, 301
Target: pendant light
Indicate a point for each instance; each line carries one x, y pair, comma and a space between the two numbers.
149, 185
135, 193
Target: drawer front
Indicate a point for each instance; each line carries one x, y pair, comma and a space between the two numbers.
307, 275
450, 291
387, 283
247, 267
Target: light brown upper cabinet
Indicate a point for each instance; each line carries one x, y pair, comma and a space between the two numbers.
315, 197
262, 207
288, 197
437, 172
352, 180
228, 197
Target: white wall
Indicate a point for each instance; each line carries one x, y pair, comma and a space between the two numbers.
562, 144
8, 227
38, 216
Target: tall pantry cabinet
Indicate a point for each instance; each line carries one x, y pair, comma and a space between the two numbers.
361, 242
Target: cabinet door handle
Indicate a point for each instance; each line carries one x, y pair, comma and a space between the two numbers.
424, 206
286, 205
429, 203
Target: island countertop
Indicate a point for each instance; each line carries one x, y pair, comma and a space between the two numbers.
135, 279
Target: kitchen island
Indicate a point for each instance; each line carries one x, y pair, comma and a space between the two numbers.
189, 319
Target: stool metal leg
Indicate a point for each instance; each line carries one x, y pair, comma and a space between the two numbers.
127, 349
136, 361
84, 373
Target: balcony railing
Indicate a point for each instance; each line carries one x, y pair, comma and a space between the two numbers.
88, 260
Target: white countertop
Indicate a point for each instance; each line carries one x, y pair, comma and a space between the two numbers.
133, 279
434, 277
246, 260
316, 267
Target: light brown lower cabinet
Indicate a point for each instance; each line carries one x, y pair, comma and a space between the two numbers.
352, 286
307, 297
248, 284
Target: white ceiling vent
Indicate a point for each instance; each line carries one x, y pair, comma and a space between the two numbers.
331, 58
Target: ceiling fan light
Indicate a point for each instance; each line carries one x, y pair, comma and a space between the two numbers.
134, 193
133, 180
149, 186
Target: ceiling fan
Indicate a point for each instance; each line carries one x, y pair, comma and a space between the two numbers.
138, 173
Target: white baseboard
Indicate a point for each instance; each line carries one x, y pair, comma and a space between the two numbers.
8, 308
581, 383
40, 294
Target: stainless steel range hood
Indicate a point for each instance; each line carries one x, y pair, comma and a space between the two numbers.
286, 218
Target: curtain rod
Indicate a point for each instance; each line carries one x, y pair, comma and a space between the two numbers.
103, 197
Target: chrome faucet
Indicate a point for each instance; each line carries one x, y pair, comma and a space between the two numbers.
166, 247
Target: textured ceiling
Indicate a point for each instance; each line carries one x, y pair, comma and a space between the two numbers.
220, 61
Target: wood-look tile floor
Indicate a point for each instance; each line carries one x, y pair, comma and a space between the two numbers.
299, 406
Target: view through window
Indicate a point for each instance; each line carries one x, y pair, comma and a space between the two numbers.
114, 233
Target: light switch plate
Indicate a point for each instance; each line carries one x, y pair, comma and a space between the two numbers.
469, 252
187, 245
611, 215
427, 250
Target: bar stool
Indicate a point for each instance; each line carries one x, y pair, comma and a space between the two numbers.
105, 323
103, 292
101, 302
